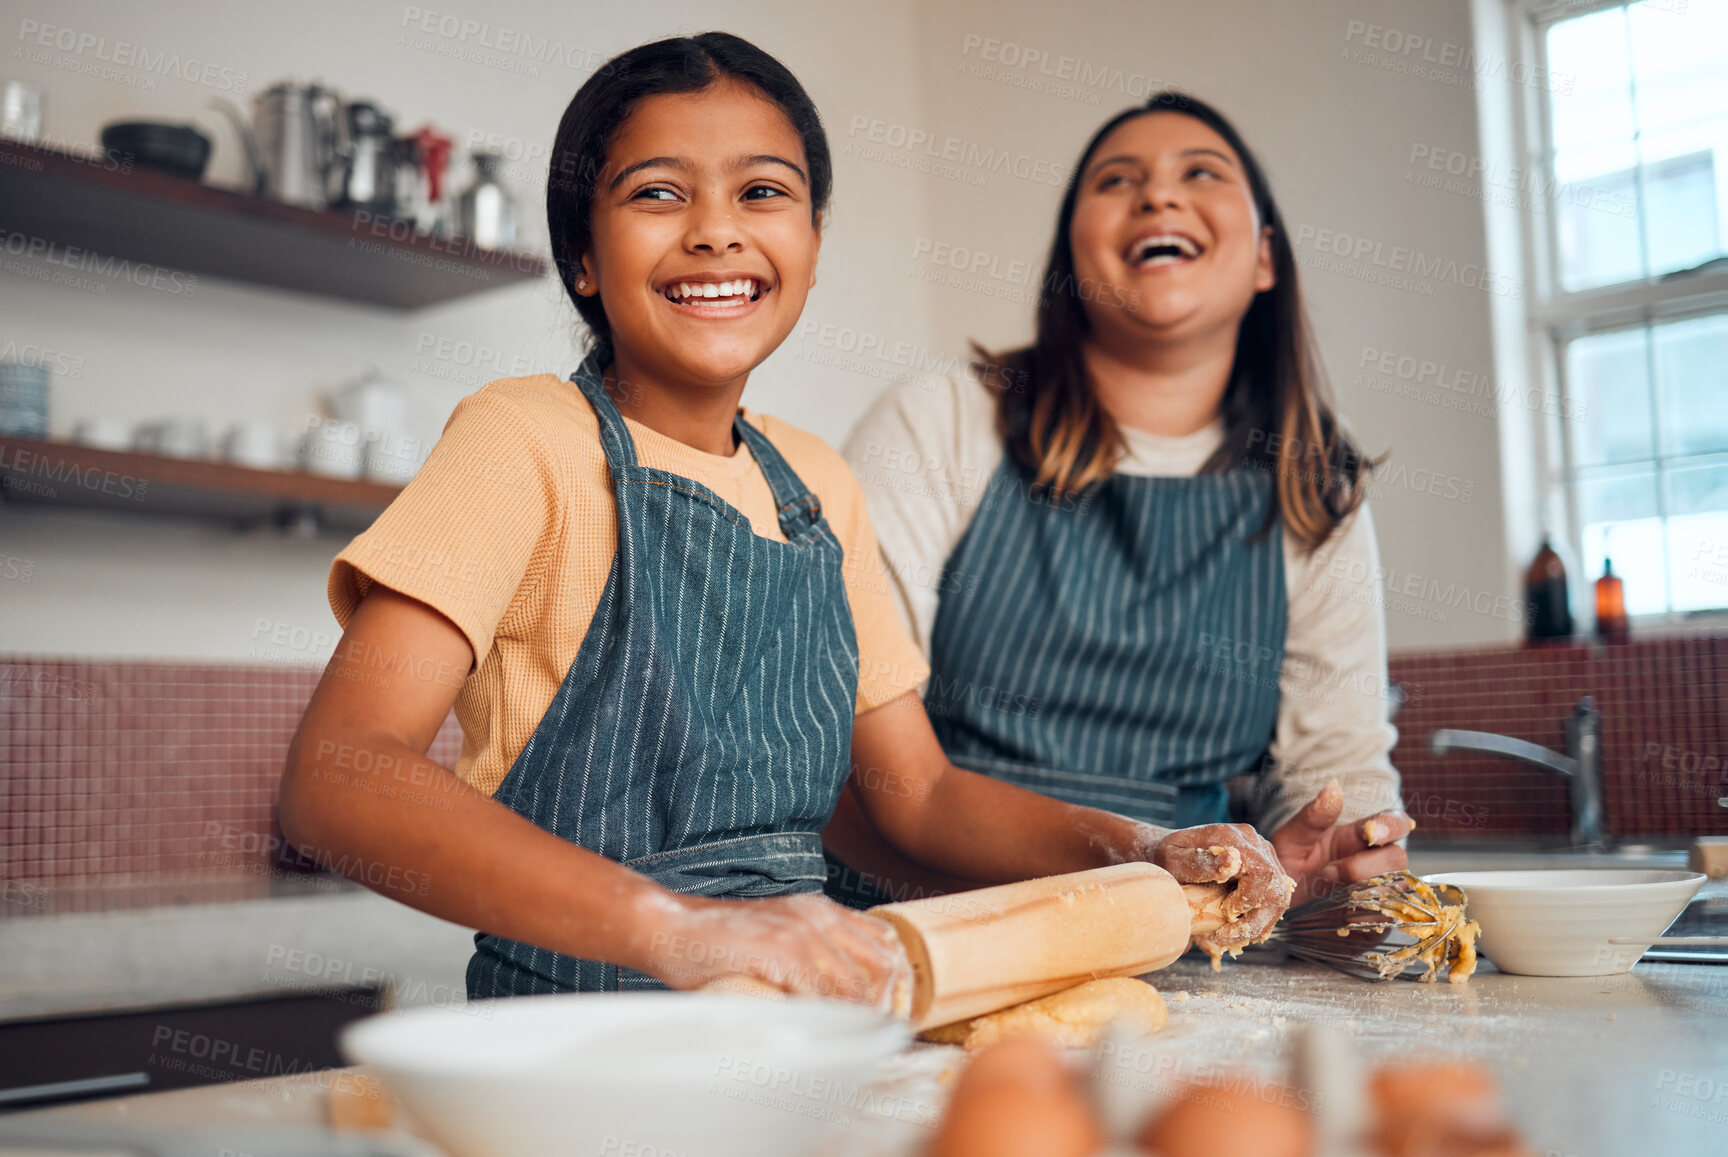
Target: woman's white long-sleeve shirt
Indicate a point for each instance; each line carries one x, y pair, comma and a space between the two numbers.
926, 453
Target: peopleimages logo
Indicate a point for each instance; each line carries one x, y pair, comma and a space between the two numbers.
1061, 75
1457, 388
1530, 190
1445, 61
90, 52
942, 147
1433, 591
35, 473
80, 260
1401, 259
482, 42
805, 1094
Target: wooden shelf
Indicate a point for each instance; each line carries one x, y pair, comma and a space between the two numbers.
61, 474
149, 217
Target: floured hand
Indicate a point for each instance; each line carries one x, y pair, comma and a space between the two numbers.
1222, 853
805, 945
1321, 853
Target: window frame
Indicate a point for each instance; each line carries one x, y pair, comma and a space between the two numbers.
1556, 316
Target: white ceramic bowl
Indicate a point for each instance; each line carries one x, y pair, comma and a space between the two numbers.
638, 1073
1561, 922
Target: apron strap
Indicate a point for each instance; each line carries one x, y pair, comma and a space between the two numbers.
797, 506
614, 437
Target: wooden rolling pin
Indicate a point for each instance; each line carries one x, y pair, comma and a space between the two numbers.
976, 952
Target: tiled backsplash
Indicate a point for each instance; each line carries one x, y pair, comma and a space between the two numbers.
151, 779
1664, 705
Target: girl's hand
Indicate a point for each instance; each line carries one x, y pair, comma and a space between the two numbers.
1216, 853
804, 944
1322, 854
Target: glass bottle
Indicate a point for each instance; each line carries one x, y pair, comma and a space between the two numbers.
488, 213
1547, 596
1611, 624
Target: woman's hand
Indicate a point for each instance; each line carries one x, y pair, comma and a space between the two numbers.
1216, 853
804, 944
1321, 853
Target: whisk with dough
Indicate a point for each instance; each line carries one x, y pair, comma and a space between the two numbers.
1382, 927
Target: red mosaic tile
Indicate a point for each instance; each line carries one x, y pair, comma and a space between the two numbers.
140, 769
143, 769
1664, 707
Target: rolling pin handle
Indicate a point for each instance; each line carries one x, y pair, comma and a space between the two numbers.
1205, 905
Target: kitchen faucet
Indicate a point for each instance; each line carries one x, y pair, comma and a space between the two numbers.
1581, 765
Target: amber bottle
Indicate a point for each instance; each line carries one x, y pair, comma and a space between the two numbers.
1546, 596
1611, 625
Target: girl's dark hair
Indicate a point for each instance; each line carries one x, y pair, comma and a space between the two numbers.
1277, 408
606, 100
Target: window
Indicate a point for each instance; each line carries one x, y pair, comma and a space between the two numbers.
1634, 152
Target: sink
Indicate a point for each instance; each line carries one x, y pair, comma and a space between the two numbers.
1523, 855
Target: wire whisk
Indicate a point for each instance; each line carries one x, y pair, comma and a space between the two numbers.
1380, 928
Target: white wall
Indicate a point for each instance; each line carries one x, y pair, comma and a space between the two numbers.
106, 585
1335, 131
1336, 135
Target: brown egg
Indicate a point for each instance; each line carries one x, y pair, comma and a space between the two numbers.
1238, 1119
1017, 1099
1435, 1108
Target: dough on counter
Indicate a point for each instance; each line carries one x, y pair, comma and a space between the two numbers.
1073, 1017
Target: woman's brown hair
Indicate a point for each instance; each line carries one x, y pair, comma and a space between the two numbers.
1277, 409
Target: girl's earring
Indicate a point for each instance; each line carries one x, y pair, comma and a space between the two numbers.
581, 284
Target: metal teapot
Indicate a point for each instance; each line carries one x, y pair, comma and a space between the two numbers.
291, 142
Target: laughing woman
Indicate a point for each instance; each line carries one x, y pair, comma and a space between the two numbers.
1137, 552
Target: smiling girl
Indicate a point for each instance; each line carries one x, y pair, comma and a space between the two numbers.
676, 655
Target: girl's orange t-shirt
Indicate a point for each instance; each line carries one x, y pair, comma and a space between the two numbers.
510, 527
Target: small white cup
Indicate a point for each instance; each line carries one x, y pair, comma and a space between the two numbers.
173, 437
333, 449
372, 404
105, 433
259, 445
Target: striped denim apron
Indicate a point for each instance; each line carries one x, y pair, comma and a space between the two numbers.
1119, 649
702, 734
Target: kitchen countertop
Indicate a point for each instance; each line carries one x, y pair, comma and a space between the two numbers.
301, 933
300, 1099
1590, 1066
83, 962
